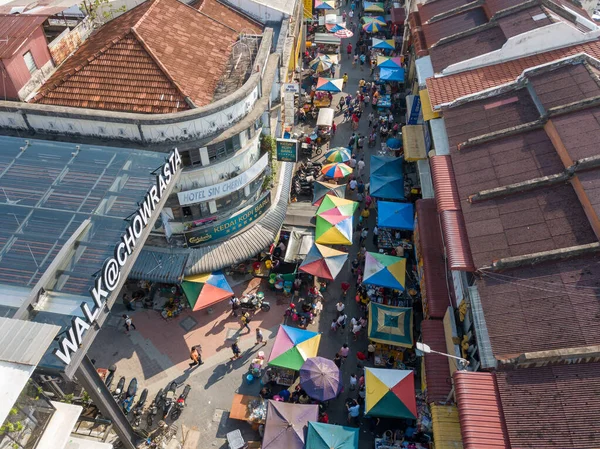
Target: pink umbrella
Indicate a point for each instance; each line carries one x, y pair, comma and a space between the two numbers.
343, 33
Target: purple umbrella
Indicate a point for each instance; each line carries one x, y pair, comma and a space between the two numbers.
287, 423
320, 378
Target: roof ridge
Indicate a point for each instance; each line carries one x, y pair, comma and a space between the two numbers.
141, 19
160, 65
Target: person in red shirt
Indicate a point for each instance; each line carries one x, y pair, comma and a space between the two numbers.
349, 50
324, 418
333, 128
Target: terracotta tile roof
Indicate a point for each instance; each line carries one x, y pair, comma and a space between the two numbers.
229, 16
522, 21
15, 29
551, 407
453, 25
480, 411
148, 60
446, 194
430, 9
431, 247
437, 371
466, 47
449, 88
542, 307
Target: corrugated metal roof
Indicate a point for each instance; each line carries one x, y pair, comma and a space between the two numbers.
250, 242
458, 250
159, 266
25, 342
480, 412
431, 246
446, 427
437, 371
15, 29
446, 193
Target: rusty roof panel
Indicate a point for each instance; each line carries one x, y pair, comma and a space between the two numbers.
437, 371
522, 21
444, 185
579, 132
431, 9
458, 250
454, 24
480, 411
435, 286
15, 30
449, 88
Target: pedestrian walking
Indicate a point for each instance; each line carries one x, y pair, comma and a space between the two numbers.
354, 266
375, 234
349, 50
351, 142
360, 142
355, 61
361, 166
353, 411
345, 80
337, 359
371, 352
260, 337
363, 235
196, 356
333, 128
353, 382
362, 59
371, 118
235, 349
356, 328
344, 351
127, 302
334, 325
352, 162
235, 305
245, 320
340, 306
341, 321
128, 323
341, 104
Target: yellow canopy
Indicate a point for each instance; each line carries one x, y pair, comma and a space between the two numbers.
413, 140
428, 112
446, 427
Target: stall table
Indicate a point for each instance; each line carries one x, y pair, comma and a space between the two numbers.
281, 376
324, 102
241, 409
384, 102
387, 239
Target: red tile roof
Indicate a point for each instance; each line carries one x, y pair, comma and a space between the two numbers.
15, 29
148, 60
542, 307
229, 17
449, 88
551, 407
434, 288
480, 411
458, 249
522, 21
430, 9
453, 25
437, 371
446, 194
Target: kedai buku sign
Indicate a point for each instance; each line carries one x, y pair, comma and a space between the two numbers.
287, 150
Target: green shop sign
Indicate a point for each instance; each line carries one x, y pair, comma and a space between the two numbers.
287, 150
230, 226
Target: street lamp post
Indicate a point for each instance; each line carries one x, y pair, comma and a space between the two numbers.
426, 349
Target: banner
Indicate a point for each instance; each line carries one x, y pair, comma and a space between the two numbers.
221, 189
229, 226
308, 9
287, 150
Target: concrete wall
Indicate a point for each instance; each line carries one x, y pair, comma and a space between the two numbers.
260, 12
69, 40
144, 129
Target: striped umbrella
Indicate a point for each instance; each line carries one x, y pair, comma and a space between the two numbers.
339, 154
343, 33
378, 19
320, 63
372, 27
336, 170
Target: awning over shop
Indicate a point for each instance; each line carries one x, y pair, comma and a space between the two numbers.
387, 177
424, 69
431, 262
428, 113
398, 16
300, 214
439, 137
327, 38
413, 141
446, 427
437, 372
299, 243
157, 265
391, 214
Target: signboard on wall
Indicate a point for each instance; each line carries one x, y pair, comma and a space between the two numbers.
415, 111
215, 191
231, 225
287, 150
308, 9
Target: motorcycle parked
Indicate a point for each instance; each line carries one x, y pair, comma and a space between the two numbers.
254, 301
180, 404
139, 408
153, 410
119, 390
110, 376
127, 403
169, 399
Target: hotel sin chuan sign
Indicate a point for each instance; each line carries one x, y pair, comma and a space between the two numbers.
110, 275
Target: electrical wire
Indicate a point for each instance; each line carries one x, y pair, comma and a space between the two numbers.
485, 272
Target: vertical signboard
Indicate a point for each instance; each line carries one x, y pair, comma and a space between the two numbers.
287, 150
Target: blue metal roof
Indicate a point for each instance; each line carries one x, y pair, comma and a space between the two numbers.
159, 266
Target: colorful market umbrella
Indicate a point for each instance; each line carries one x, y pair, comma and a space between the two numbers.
343, 34
293, 346
336, 170
390, 325
331, 436
390, 393
330, 84
334, 221
323, 261
387, 177
324, 4
384, 45
321, 63
372, 27
391, 214
378, 19
374, 7
321, 378
338, 154
204, 290
393, 143
391, 75
335, 27
384, 270
387, 62
286, 423
320, 189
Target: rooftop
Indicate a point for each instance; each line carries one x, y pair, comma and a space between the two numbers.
147, 61
15, 30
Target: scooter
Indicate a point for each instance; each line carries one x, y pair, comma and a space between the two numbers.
127, 403
119, 390
153, 410
180, 404
169, 399
110, 376
254, 301
139, 408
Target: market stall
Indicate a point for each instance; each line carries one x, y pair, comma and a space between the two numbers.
384, 271
334, 221
204, 290
321, 189
252, 409
387, 179
324, 262
324, 123
321, 378
286, 424
390, 325
336, 170
390, 393
330, 436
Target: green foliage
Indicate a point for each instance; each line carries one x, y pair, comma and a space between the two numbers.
98, 7
68, 399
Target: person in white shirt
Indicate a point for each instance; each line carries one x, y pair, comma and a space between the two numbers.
352, 162
340, 306
356, 330
375, 234
352, 184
